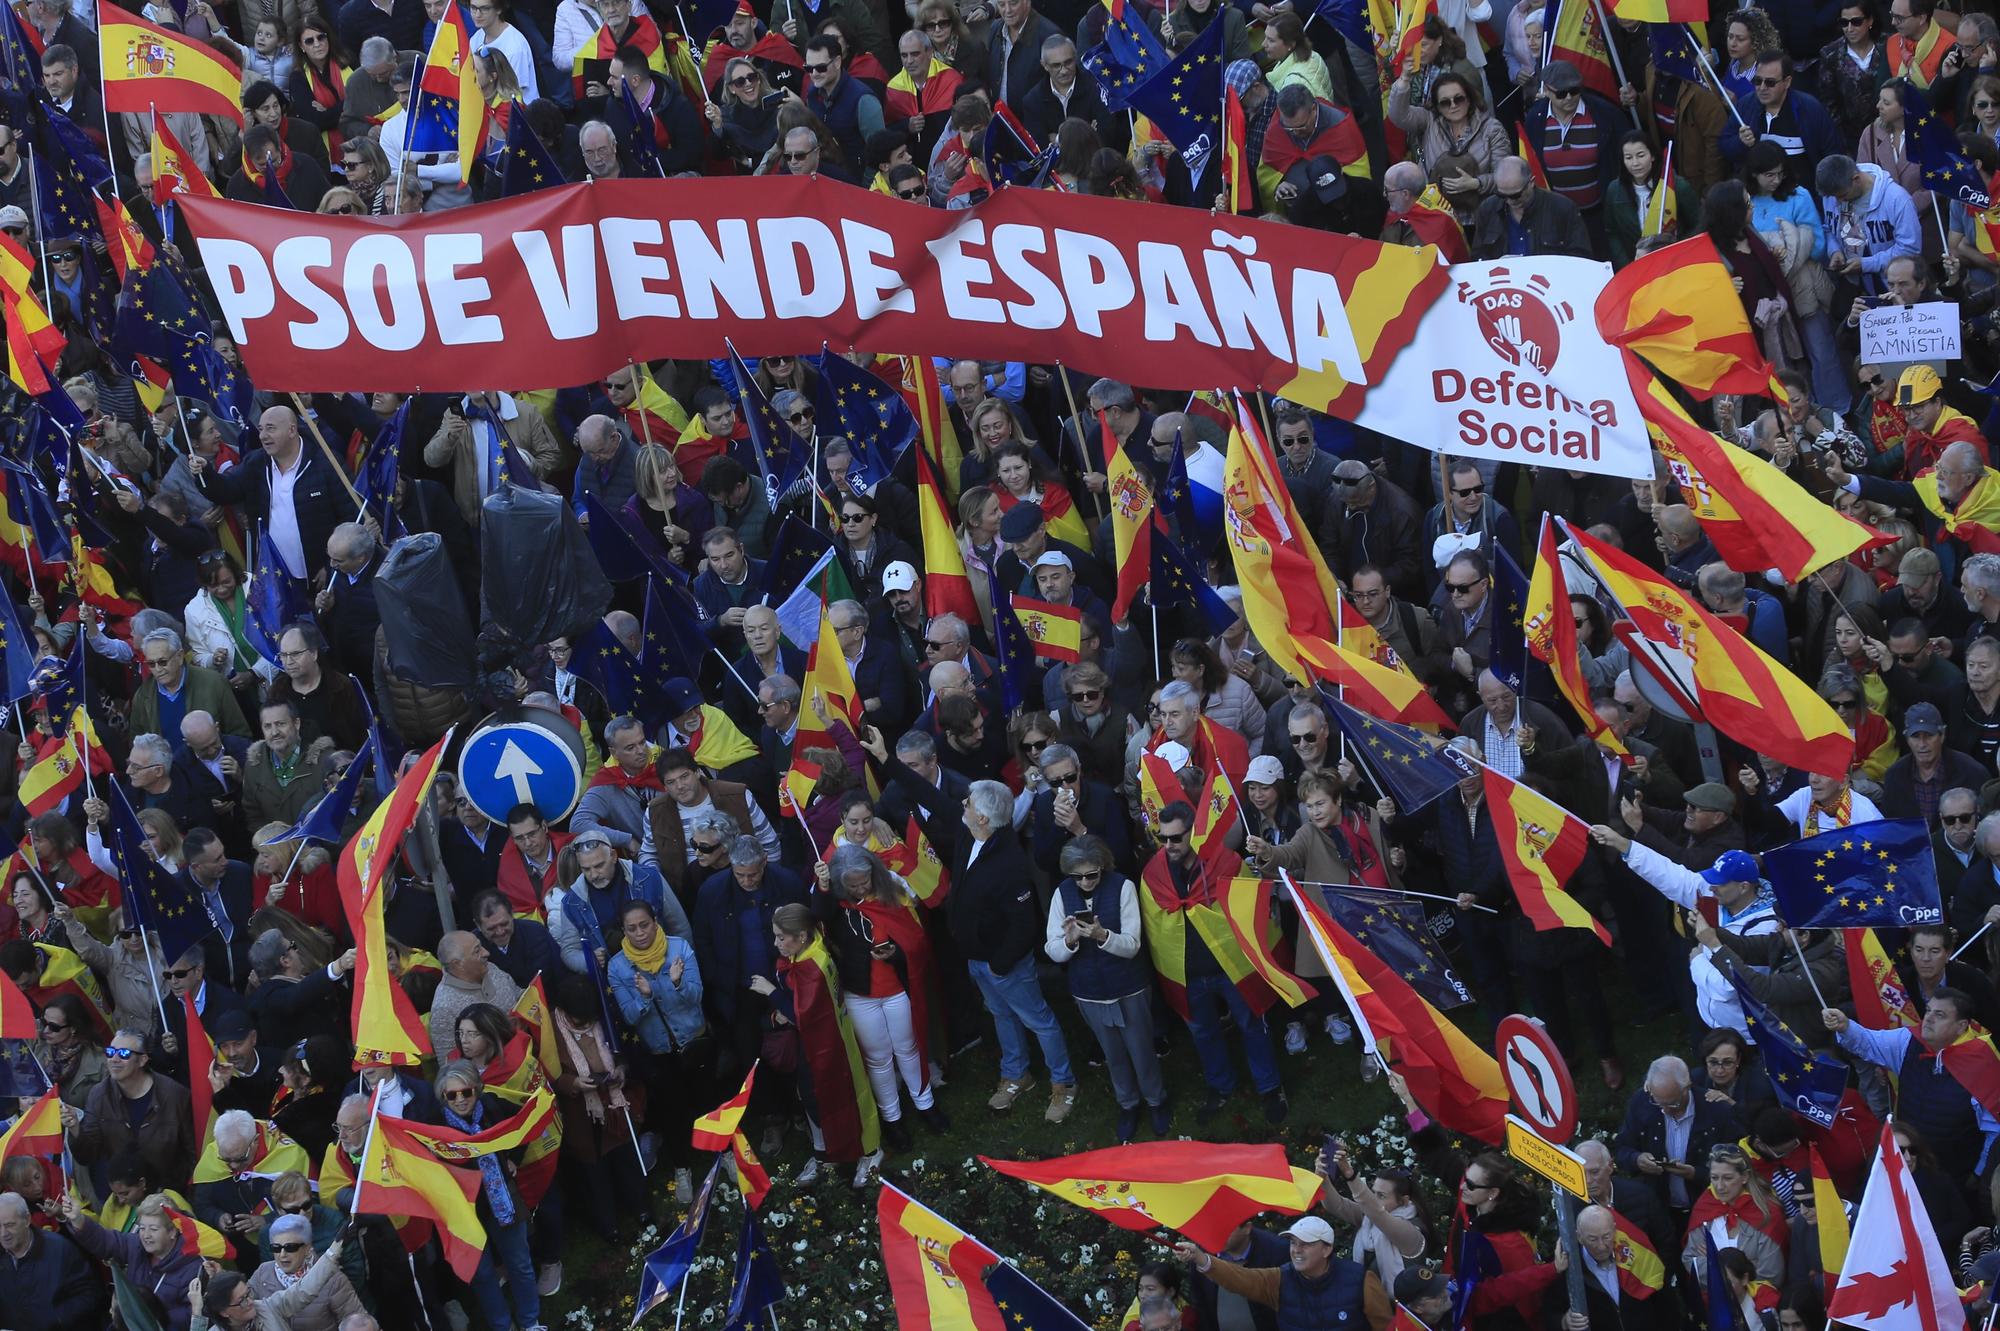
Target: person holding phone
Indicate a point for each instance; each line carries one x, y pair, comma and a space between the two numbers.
1095, 930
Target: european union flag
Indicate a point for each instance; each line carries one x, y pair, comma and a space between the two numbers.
1013, 654
274, 193
58, 681
385, 757
1868, 875
603, 660
771, 440
504, 463
17, 649
327, 817
29, 505
20, 68
667, 1265
676, 631
1477, 1259
271, 604
618, 552
1396, 931
639, 139
1028, 1306
1177, 580
1808, 1082
1404, 765
1934, 148
872, 415
1719, 1304
155, 900
158, 319
376, 480
1674, 51
1009, 150
1349, 18
89, 164
1128, 55
757, 1284
1179, 491
1185, 99
526, 163
1509, 650
799, 553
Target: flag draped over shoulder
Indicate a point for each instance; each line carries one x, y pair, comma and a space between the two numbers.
1641, 1273
1202, 1190
387, 1028
147, 67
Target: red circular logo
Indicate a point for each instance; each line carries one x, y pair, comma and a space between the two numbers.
1520, 327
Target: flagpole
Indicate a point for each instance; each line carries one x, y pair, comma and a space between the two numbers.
1610, 44
1970, 941
1938, 217
1792, 935
360, 1166
153, 976
1392, 891
104, 61
1333, 970
305, 417
1708, 69
637, 1149
1082, 453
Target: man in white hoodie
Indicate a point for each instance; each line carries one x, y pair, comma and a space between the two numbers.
1869, 220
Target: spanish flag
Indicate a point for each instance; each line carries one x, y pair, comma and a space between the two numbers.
935, 435
201, 1060
947, 587
1641, 1273
1880, 1000
64, 972
1054, 631
1288, 593
935, 1269
1530, 156
531, 1014
129, 247
148, 67
1131, 495
398, 1176
1238, 178
273, 1154
1542, 844
846, 1104
1410, 17
1758, 517
1974, 519
386, 1026
1247, 905
1167, 915
795, 792
18, 1018
1829, 1216
1551, 634
1678, 309
516, 1077
1578, 37
829, 680
336, 1172
925, 872
751, 1175
93, 581
534, 1118
720, 743
1391, 694
38, 1131
449, 88
33, 343
1663, 209
1201, 1190
197, 1239
1744, 693
713, 1130
55, 775
1660, 11
173, 171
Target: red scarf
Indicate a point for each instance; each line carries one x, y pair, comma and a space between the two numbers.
327, 93
1743, 1210
611, 774
284, 165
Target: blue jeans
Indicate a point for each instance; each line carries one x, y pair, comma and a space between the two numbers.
1204, 992
1018, 1007
507, 1245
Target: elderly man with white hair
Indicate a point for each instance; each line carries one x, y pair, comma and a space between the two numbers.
1629, 1197
1667, 1133
323, 1309
45, 1280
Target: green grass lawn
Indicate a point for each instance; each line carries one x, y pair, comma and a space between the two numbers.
826, 1236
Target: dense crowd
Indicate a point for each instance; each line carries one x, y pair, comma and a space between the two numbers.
704, 907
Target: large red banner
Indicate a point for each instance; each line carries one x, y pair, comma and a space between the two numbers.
564, 285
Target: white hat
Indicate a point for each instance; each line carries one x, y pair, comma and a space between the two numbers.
1174, 755
1053, 559
1450, 544
1310, 1229
1265, 770
899, 577
13, 215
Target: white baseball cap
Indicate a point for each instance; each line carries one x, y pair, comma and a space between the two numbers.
1310, 1229
899, 577
1265, 770
1174, 755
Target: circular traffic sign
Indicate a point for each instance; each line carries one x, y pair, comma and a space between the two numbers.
1538, 1079
536, 758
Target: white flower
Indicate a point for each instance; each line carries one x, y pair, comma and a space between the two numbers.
800, 1246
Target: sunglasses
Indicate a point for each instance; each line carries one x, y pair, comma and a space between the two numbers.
1564, 94
461, 1095
1087, 875
287, 1247
938, 25
743, 80
118, 1055
343, 211
1457, 99
1846, 704
1034, 745
818, 69
705, 848
48, 1025
1908, 658
1469, 490
849, 519
1461, 588
800, 157
1875, 381
302, 1208
916, 193
1960, 817
180, 972
1086, 695
930, 646
1173, 838
1766, 83
1854, 21
1072, 779
803, 415
1300, 741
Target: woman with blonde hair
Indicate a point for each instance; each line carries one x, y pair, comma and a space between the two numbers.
670, 511
1749, 1211
340, 201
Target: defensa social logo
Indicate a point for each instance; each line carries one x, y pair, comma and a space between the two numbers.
1519, 322
1511, 402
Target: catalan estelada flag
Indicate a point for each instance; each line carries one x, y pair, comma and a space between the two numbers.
1054, 631
1393, 695
38, 1131
33, 343
1758, 517
1743, 692
1247, 905
1678, 309
18, 1019
398, 1176
1541, 843
197, 1239
1201, 1190
174, 172
1641, 1273
713, 1130
148, 67
387, 1029
1551, 635
947, 587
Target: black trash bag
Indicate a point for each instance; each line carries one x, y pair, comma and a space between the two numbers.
537, 575
424, 622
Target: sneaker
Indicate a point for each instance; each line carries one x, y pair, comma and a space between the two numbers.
809, 1174
1163, 1120
865, 1171
1338, 1030
773, 1142
649, 1149
549, 1279
1128, 1124
684, 1187
1210, 1106
1275, 1107
1062, 1099
1295, 1038
1010, 1090
1370, 1069
935, 1119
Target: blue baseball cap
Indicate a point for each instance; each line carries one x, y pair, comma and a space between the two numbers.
1732, 866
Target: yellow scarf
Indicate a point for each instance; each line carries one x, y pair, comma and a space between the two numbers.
1841, 814
1978, 508
651, 959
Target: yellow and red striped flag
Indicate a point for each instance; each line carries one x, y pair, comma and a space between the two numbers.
200, 1060
1410, 18
387, 1029
1829, 1214
1551, 633
1131, 496
751, 1175
1663, 210
924, 871
1530, 156
1202, 1190
174, 172
1288, 592
1246, 904
1237, 176
1579, 38
146, 66
1662, 11
528, 1123
38, 1131
531, 1012
398, 1176
947, 587
129, 247
713, 1130
935, 434
1881, 1002
449, 84
272, 1154
1678, 308
1054, 631
1641, 1273
33, 342
198, 1239
796, 790
935, 1269
1393, 695
18, 1018
829, 680
56, 773
1541, 844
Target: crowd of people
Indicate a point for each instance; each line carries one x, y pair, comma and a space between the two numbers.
963, 884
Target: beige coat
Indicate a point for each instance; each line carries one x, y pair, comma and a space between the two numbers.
453, 445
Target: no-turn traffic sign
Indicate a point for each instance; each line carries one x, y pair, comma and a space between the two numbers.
1538, 1079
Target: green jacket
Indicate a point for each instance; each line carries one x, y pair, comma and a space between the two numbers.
205, 691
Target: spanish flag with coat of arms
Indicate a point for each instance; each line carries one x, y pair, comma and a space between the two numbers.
387, 1028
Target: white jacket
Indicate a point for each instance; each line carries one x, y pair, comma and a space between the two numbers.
208, 633
1714, 996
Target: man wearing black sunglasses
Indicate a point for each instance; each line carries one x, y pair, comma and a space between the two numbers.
134, 1106
1952, 840
1069, 806
1469, 509
1774, 109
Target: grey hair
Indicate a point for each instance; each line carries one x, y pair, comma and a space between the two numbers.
377, 52
618, 725
155, 745
1834, 174
590, 125
354, 538
1593, 1151
1180, 690
847, 610
716, 821
1112, 393
1468, 745
1983, 30
993, 802
292, 1224
237, 1126
14, 1204
1668, 1069
960, 632
746, 850
152, 618
268, 952
1056, 43
1989, 826
916, 744
1723, 583
1056, 751
1983, 572
782, 400
457, 1069
1291, 103
358, 1100
783, 688
849, 858
174, 644
1406, 175
1088, 850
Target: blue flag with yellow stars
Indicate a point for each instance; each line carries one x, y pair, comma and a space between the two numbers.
603, 660
771, 440
1868, 875
1179, 580
376, 478
155, 900
89, 164
1403, 763
1128, 55
58, 681
327, 818
1185, 99
1934, 148
1397, 932
640, 144
618, 552
1179, 493
18, 649
1674, 51
673, 639
29, 505
667, 1265
1024, 1305
526, 163
20, 68
757, 1284
1808, 1082
868, 412
271, 604
1508, 658
1013, 653
1349, 18
160, 320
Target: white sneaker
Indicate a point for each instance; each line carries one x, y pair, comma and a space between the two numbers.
1338, 1031
684, 1187
865, 1171
549, 1279
1295, 1038
809, 1174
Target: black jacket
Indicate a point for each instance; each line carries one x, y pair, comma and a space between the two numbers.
1103, 815
674, 120
318, 501
1644, 1132
991, 908
1612, 125
53, 1287
1012, 73
350, 622
1553, 222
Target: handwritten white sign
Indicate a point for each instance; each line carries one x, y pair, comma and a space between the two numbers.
1895, 334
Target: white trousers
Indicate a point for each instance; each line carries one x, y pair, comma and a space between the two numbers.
888, 1045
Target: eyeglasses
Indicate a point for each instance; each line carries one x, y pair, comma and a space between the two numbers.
1468, 490
180, 972
1456, 99
1762, 82
117, 1055
1959, 817
294, 1247
461, 1095
1086, 695
1461, 588
819, 69
1070, 779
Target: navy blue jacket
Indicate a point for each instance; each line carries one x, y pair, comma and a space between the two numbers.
318, 501
674, 120
718, 934
716, 597
533, 951
1103, 814
1644, 1132
880, 674
1816, 129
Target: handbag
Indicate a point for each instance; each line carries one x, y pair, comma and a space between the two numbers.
779, 1049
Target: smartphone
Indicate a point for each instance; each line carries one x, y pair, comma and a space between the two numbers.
1086, 918
1331, 1148
775, 95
